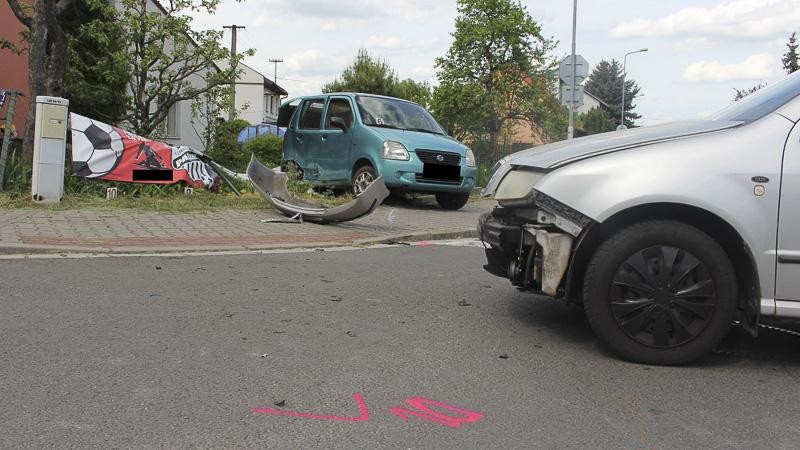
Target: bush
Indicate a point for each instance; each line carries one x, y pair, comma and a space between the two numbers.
225, 147
267, 148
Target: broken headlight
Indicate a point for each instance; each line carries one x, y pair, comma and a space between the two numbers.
517, 185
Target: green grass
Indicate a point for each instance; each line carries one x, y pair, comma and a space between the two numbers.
199, 201
305, 192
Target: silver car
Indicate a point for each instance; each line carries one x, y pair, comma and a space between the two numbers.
667, 235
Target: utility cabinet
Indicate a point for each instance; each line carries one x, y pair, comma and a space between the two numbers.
49, 149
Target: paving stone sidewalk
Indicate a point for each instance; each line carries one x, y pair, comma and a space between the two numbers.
124, 231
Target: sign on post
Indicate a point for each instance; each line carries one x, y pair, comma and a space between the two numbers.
581, 70
3, 95
567, 98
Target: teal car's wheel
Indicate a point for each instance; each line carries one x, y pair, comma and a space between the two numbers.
452, 201
364, 176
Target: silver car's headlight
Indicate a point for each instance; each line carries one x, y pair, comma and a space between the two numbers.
517, 185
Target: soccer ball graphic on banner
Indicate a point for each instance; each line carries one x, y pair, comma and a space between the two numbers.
96, 147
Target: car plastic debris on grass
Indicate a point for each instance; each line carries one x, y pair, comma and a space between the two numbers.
271, 184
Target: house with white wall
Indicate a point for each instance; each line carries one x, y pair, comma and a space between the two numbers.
257, 98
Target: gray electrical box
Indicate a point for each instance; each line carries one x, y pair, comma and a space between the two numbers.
49, 149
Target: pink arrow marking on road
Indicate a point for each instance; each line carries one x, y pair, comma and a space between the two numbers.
357, 397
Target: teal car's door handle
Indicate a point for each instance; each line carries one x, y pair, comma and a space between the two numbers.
324, 138
300, 139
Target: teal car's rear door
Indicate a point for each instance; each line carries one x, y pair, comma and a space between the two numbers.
308, 139
338, 143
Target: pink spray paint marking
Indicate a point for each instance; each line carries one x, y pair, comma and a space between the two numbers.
423, 411
425, 244
364, 417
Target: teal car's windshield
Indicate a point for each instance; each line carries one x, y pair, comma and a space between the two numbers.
762, 102
398, 114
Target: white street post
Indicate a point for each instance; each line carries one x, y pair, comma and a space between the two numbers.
624, 74
571, 129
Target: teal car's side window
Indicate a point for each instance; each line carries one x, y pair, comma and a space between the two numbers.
339, 107
311, 118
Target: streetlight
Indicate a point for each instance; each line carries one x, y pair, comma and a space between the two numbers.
624, 74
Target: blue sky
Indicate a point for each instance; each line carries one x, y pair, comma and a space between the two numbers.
700, 50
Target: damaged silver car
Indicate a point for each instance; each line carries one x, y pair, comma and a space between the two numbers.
667, 235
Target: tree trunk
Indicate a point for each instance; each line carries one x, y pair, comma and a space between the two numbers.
47, 63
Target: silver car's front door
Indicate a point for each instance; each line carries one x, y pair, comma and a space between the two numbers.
787, 287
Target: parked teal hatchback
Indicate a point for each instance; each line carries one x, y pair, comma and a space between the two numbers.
350, 140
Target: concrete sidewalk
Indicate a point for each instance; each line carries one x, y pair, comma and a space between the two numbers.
123, 231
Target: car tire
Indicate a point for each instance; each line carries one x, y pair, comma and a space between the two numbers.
660, 292
362, 178
452, 202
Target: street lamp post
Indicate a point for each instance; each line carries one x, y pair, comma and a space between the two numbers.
624, 74
571, 128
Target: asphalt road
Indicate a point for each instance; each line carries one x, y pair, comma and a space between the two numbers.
152, 352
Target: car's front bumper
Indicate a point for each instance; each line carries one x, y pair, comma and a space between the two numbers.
406, 176
532, 253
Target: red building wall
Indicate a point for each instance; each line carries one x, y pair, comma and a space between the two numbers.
13, 67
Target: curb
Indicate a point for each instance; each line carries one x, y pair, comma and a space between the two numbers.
9, 249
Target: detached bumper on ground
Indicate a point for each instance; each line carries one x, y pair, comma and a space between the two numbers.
271, 184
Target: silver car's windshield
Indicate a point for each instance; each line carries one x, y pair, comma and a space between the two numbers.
762, 102
398, 114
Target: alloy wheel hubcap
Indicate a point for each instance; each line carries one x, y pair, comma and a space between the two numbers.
363, 180
663, 297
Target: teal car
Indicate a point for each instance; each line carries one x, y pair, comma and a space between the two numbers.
349, 140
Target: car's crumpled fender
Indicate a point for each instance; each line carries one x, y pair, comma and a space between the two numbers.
271, 184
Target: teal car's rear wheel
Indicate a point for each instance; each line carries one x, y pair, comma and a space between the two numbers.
364, 176
452, 201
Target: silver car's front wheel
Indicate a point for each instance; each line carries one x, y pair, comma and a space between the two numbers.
660, 292
364, 176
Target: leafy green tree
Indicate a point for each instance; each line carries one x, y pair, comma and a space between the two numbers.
417, 92
97, 71
790, 61
369, 75
169, 62
605, 83
498, 64
595, 121
225, 148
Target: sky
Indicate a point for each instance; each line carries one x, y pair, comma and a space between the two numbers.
699, 50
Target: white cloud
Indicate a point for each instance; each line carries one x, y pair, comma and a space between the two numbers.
755, 67
736, 19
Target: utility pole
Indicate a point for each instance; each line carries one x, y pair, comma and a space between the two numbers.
233, 29
276, 61
622, 125
571, 129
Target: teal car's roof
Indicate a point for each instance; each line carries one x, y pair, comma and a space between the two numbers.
351, 95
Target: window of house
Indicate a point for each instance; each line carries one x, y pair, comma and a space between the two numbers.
172, 121
339, 107
311, 117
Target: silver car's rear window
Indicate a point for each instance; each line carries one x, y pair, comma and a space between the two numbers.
762, 102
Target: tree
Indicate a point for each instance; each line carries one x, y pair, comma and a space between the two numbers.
605, 83
97, 74
375, 76
168, 61
417, 92
497, 70
208, 111
595, 121
742, 93
47, 53
790, 61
